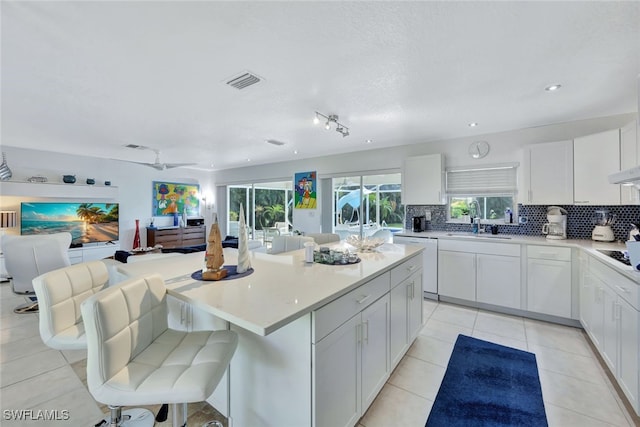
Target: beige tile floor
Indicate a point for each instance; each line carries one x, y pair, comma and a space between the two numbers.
575, 387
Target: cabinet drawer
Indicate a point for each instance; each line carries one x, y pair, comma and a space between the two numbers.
627, 290
192, 242
624, 287
167, 232
334, 314
171, 238
406, 269
193, 233
489, 248
549, 252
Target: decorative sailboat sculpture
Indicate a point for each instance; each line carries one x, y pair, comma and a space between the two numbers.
244, 262
214, 257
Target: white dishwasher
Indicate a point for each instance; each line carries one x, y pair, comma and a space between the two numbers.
429, 262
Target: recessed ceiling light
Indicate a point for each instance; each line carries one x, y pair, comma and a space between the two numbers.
295, 151
368, 141
473, 124
552, 88
248, 160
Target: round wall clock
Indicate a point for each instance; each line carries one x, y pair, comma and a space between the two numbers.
478, 149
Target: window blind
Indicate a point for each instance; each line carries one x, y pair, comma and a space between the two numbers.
482, 181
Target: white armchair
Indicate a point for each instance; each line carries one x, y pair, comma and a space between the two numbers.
288, 243
283, 228
27, 257
322, 238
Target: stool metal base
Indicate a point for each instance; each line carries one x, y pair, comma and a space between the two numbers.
137, 417
29, 307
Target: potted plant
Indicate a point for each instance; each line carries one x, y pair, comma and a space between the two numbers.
466, 218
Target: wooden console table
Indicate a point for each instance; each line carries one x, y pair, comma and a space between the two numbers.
176, 237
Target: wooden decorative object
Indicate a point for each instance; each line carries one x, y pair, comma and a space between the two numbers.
214, 257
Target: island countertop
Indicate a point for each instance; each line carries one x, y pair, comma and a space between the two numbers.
282, 287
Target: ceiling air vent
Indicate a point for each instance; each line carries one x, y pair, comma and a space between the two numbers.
274, 142
243, 80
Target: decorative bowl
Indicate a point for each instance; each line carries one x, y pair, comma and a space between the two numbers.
366, 244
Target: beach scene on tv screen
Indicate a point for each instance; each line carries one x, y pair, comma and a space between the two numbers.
87, 222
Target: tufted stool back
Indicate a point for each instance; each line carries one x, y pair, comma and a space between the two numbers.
60, 293
133, 358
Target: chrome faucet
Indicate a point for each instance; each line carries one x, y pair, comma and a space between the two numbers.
480, 230
477, 210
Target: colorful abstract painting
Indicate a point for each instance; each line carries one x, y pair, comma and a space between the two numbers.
172, 197
305, 190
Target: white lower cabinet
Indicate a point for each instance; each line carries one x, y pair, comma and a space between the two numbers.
374, 339
359, 338
628, 365
609, 313
480, 271
337, 376
352, 365
549, 280
185, 317
405, 316
498, 280
456, 274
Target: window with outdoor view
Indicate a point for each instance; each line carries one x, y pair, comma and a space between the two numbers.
485, 193
267, 205
377, 205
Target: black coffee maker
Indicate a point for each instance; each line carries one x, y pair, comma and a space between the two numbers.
419, 223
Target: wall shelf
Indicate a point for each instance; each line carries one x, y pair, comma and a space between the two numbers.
56, 189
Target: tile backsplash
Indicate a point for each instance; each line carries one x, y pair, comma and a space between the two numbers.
579, 220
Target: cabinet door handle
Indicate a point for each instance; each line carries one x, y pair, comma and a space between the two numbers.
621, 289
411, 267
182, 313
363, 299
585, 202
530, 195
409, 291
549, 254
365, 331
614, 314
618, 311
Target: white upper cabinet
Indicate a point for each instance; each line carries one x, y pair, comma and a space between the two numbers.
594, 158
629, 157
422, 180
548, 173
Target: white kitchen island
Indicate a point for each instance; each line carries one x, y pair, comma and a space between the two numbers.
317, 342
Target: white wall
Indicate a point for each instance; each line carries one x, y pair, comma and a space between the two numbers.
135, 181
134, 184
505, 147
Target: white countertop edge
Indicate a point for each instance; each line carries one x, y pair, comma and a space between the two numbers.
174, 284
589, 246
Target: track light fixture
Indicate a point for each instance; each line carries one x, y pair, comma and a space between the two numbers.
331, 118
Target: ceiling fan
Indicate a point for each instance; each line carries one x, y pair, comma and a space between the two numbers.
157, 164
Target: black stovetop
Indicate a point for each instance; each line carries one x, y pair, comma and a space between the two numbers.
617, 255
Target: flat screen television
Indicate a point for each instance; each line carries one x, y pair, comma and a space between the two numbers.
87, 222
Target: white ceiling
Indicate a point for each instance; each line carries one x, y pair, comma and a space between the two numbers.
90, 77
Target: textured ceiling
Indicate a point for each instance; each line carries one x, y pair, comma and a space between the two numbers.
90, 77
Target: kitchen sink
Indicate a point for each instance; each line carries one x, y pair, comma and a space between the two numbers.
479, 236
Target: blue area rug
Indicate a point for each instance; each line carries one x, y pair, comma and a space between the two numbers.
487, 384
